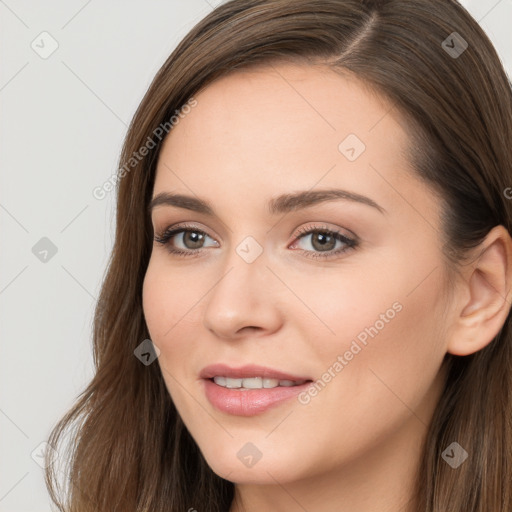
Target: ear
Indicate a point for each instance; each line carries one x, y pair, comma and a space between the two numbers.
487, 283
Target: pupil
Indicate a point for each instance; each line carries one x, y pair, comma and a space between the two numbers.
194, 237
322, 240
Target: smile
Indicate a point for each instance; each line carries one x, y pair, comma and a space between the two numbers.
254, 383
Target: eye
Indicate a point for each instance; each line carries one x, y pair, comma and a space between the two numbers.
324, 240
190, 238
189, 241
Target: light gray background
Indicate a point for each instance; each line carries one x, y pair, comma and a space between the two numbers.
63, 119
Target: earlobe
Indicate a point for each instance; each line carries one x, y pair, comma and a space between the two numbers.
488, 284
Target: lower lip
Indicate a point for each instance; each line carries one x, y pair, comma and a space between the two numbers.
249, 402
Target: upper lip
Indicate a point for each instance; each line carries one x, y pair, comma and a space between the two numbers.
247, 371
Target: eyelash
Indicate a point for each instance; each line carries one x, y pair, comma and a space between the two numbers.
165, 237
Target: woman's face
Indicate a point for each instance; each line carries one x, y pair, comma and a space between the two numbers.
280, 272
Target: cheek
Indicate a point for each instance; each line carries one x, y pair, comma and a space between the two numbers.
388, 345
171, 303
168, 299
164, 313
381, 367
379, 333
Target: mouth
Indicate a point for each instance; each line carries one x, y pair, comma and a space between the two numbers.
248, 372
254, 382
249, 390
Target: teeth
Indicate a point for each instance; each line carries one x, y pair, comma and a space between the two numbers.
254, 382
270, 383
233, 383
221, 381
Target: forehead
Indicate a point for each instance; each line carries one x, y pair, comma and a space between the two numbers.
270, 129
306, 99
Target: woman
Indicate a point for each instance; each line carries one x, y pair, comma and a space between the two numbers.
307, 304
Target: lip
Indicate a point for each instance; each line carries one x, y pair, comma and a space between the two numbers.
247, 371
248, 402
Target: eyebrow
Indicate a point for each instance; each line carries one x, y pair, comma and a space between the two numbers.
282, 204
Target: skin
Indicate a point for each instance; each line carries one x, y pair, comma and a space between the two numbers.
356, 445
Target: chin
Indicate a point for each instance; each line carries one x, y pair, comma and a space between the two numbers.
239, 468
260, 474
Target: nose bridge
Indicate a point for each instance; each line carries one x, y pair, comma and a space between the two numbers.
243, 273
241, 297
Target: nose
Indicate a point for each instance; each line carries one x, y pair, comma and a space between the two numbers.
243, 300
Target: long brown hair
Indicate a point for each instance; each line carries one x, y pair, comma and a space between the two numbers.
129, 449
